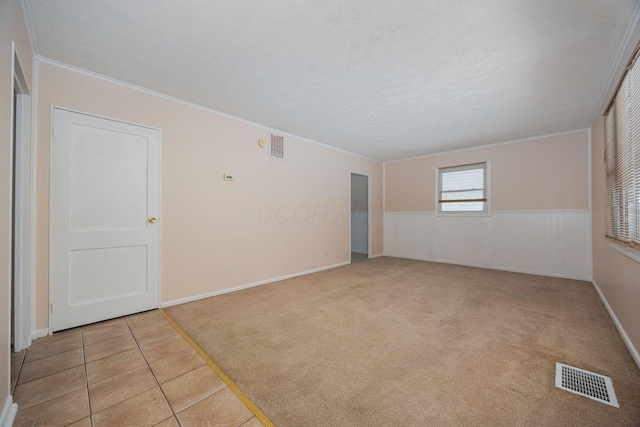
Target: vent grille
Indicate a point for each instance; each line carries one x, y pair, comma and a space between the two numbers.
585, 383
277, 147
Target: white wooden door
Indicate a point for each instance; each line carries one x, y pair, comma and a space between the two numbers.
104, 219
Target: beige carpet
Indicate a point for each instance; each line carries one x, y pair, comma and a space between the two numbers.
392, 342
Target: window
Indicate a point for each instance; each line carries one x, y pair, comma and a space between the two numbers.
622, 161
463, 189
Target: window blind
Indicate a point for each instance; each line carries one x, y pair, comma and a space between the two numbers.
463, 188
622, 161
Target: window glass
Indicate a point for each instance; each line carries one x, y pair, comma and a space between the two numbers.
463, 189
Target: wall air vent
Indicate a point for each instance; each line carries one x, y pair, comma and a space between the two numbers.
277, 147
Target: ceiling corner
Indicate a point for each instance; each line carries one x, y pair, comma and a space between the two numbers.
628, 45
26, 12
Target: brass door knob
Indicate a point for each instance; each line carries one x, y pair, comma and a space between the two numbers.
152, 220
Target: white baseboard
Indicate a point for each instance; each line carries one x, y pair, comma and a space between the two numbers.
39, 333
623, 333
9, 412
511, 270
249, 285
376, 256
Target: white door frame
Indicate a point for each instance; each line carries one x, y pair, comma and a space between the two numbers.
23, 186
369, 209
52, 110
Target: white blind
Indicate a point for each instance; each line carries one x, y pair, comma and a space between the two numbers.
622, 161
609, 159
463, 188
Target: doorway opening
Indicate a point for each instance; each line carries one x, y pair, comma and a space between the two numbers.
13, 217
20, 209
360, 217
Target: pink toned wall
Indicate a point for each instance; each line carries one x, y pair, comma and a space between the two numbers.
269, 222
547, 173
12, 29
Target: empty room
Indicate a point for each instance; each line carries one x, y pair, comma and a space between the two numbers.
339, 213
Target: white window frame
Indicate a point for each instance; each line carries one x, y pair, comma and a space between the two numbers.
487, 180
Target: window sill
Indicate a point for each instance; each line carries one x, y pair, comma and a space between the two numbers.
634, 254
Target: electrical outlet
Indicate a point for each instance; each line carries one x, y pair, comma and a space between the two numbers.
225, 270
313, 255
326, 253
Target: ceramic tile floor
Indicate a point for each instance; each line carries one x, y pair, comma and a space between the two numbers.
131, 371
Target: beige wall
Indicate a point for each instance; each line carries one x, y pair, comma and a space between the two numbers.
617, 275
12, 29
538, 174
265, 224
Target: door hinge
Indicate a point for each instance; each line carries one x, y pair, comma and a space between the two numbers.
53, 311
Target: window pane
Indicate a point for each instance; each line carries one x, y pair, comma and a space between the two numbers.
611, 213
622, 160
458, 195
463, 180
463, 207
461, 183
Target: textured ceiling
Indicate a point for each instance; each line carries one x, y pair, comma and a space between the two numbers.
384, 79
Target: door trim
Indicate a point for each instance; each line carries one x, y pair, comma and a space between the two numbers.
52, 111
23, 186
369, 213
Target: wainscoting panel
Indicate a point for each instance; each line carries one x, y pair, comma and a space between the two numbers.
554, 243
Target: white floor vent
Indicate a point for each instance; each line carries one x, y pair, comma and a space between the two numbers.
585, 383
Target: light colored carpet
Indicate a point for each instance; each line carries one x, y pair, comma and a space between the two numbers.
392, 342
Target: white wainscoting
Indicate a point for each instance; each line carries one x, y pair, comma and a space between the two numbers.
553, 243
359, 232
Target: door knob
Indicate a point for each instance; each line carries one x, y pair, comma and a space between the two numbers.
152, 220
